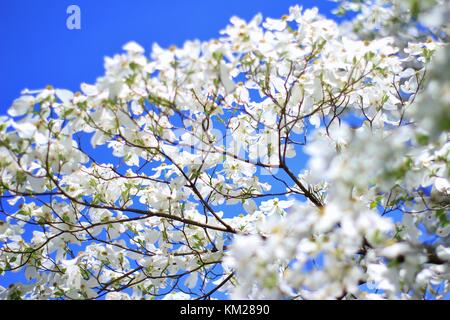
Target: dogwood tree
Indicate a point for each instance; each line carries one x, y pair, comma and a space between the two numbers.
182, 174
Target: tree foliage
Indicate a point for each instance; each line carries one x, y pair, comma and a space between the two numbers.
182, 174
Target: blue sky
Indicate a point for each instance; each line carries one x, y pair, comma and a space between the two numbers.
36, 48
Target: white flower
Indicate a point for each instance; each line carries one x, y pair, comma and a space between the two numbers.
442, 185
64, 95
273, 206
395, 250
177, 296
21, 105
133, 48
228, 84
89, 90
117, 296
443, 252
275, 24
191, 280
25, 130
